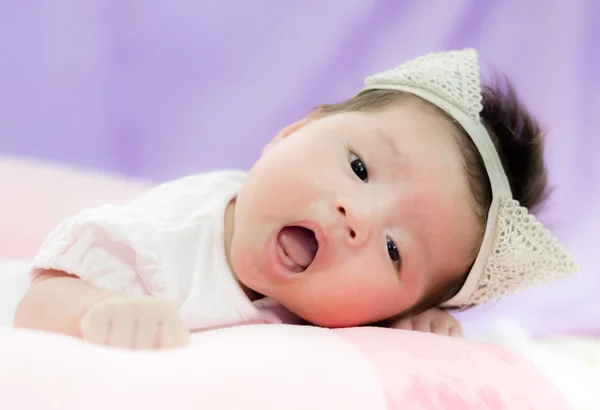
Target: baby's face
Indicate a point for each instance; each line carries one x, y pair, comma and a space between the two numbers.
355, 217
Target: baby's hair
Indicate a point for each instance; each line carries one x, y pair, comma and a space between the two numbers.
516, 135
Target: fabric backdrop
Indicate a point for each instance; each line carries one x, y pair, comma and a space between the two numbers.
160, 89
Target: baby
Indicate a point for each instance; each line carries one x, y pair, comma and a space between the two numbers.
408, 198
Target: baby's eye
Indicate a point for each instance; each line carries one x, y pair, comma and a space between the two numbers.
393, 251
359, 168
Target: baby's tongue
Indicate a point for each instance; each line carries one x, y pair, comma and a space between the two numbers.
299, 244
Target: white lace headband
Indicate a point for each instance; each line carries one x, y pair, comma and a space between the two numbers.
516, 251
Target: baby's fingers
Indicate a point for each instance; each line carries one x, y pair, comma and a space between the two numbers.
122, 330
403, 324
147, 334
440, 327
446, 326
172, 333
455, 331
423, 324
95, 327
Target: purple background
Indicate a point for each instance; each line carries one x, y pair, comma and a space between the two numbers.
158, 89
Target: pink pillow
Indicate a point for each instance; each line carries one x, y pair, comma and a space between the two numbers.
37, 196
272, 367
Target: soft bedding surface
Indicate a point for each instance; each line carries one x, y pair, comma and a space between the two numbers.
264, 367
272, 367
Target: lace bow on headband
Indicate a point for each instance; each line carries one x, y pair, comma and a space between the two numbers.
517, 251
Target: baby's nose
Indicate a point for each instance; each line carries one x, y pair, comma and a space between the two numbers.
355, 224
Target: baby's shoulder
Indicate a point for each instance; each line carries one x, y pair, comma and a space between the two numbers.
211, 179
204, 183
197, 193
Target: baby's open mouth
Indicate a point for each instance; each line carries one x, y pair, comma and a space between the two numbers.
297, 247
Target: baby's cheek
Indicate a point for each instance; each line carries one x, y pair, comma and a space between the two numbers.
355, 302
246, 263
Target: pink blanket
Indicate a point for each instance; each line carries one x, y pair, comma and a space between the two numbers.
272, 367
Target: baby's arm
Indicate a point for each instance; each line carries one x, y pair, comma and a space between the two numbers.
62, 303
431, 321
100, 276
56, 301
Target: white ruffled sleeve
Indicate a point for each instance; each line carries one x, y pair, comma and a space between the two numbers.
168, 243
131, 248
114, 248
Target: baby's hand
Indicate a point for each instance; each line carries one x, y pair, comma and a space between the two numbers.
137, 323
431, 321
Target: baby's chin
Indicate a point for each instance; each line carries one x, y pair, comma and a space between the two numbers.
325, 316
333, 322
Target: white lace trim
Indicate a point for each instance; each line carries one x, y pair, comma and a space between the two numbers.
523, 254
451, 75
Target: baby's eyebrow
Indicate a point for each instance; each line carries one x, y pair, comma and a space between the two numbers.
392, 146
